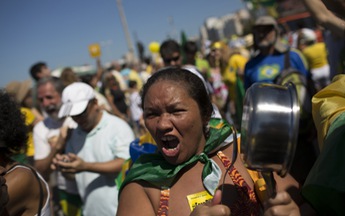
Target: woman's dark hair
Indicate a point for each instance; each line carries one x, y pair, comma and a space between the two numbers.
13, 131
36, 69
169, 47
186, 79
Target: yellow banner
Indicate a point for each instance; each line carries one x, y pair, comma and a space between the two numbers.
95, 50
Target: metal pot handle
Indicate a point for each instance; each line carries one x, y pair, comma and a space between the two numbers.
270, 183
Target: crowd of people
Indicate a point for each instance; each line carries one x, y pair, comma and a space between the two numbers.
69, 144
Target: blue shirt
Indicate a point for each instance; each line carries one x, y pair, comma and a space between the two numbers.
266, 68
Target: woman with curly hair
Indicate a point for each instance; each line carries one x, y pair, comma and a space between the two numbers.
27, 191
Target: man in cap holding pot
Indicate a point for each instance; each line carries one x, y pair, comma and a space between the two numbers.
271, 60
95, 150
268, 60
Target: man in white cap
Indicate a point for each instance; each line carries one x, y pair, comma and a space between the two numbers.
95, 151
316, 55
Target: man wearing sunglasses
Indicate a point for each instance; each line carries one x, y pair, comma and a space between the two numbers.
170, 52
95, 150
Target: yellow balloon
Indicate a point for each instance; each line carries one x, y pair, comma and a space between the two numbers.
154, 47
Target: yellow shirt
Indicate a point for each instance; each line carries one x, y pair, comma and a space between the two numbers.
29, 120
133, 75
235, 65
328, 104
203, 66
316, 55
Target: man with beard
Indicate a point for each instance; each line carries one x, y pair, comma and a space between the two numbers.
268, 60
49, 139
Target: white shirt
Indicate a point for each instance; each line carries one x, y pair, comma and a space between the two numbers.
135, 107
109, 140
42, 132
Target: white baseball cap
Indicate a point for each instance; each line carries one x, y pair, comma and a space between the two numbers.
308, 35
75, 98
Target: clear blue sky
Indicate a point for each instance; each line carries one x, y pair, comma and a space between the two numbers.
59, 32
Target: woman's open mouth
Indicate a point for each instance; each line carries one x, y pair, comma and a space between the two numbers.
170, 146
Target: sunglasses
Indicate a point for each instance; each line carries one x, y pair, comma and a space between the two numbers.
263, 29
168, 60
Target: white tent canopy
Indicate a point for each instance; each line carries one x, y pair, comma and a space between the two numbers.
79, 70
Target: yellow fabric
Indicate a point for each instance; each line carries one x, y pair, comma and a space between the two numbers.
133, 75
328, 103
301, 55
147, 138
71, 204
261, 189
316, 55
236, 63
203, 66
149, 69
303, 100
70, 209
29, 120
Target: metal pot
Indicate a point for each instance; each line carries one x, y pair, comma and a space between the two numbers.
269, 128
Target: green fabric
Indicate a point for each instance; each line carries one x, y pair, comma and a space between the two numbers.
121, 176
71, 203
21, 158
73, 199
155, 169
324, 187
325, 200
183, 42
240, 92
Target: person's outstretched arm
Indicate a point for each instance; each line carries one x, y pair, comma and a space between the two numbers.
325, 17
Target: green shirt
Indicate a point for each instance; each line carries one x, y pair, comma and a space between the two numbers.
324, 187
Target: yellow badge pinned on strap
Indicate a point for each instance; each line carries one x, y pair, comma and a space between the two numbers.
198, 198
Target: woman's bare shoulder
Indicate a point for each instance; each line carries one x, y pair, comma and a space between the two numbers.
23, 190
20, 177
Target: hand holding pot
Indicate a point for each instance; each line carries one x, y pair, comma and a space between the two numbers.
281, 204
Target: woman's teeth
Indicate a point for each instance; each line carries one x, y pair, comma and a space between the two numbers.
170, 142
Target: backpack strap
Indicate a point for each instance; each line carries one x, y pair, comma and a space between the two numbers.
288, 70
40, 203
285, 71
287, 59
